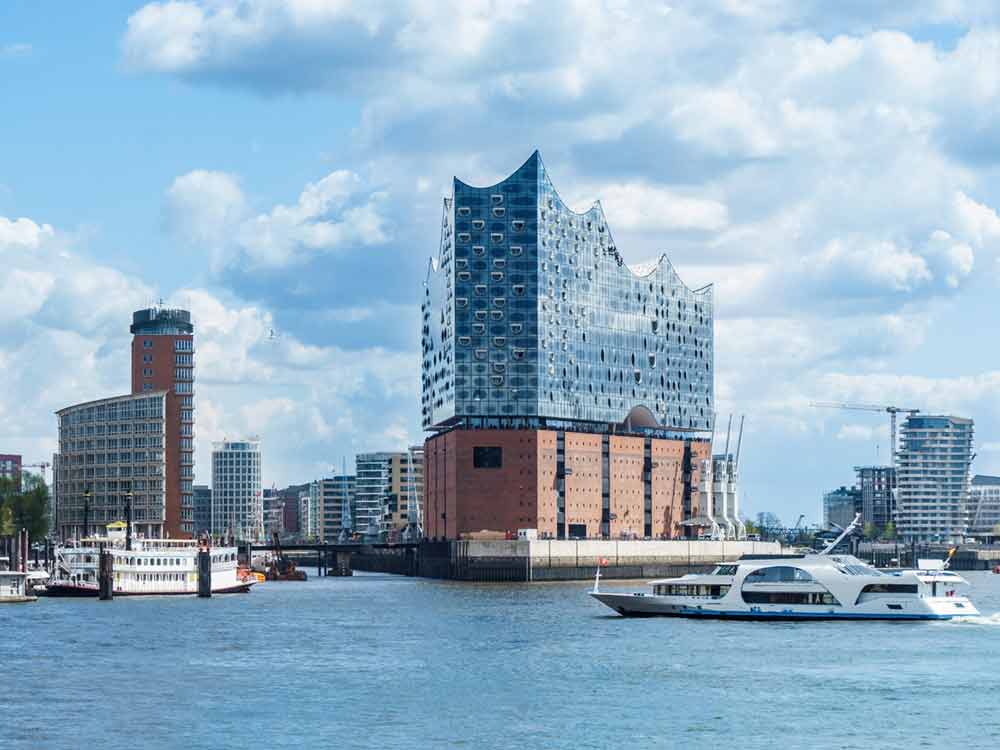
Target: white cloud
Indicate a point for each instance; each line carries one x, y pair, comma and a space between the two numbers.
209, 209
977, 221
640, 206
23, 233
204, 206
23, 293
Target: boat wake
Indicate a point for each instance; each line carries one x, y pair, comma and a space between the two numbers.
993, 619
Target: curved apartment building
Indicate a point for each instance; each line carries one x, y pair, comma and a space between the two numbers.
536, 331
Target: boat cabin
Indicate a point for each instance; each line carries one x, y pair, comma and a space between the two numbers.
14, 587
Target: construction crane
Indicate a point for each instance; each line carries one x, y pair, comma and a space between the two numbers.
44, 465
892, 411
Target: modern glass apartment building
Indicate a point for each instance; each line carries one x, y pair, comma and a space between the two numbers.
531, 315
237, 499
112, 451
568, 392
933, 463
985, 507
877, 485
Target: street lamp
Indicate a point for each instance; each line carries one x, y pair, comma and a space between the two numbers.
86, 512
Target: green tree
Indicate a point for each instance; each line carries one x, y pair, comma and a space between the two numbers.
890, 531
870, 531
6, 521
25, 509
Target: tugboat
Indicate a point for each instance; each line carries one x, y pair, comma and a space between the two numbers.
280, 567
802, 587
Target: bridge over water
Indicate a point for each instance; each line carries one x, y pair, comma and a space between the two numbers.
334, 558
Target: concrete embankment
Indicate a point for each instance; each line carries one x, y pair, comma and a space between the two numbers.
557, 560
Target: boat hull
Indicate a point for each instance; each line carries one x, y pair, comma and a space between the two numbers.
68, 590
640, 605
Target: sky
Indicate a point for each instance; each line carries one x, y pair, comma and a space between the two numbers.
278, 168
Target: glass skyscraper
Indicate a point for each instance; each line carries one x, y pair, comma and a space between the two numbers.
532, 318
569, 394
932, 474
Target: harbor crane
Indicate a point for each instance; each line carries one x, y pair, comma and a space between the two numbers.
43, 465
892, 411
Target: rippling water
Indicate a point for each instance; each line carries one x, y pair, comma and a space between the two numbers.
391, 662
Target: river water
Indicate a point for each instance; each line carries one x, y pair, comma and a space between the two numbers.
390, 662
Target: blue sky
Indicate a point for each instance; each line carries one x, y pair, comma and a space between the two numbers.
280, 165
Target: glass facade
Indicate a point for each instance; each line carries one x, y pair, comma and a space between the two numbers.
932, 476
237, 498
531, 312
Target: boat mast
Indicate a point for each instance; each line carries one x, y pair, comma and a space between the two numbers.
851, 527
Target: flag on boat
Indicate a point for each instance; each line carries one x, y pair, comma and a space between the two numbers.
604, 561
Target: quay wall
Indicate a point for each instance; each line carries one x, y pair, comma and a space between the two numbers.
557, 560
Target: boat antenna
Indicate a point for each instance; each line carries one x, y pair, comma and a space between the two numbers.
851, 527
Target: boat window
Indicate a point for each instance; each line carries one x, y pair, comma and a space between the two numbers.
778, 574
725, 570
693, 589
790, 597
890, 588
862, 570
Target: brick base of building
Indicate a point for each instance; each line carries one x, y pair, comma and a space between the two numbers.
563, 484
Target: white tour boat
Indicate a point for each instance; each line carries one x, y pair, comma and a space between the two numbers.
820, 586
152, 567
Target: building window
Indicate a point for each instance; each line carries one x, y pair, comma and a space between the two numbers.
487, 457
147, 343
516, 249
464, 211
147, 358
499, 211
147, 386
478, 250
147, 372
496, 237
496, 199
478, 224
518, 225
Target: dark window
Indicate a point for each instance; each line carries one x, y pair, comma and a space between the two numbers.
578, 531
487, 457
789, 597
890, 588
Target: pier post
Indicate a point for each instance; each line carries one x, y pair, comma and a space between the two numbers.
106, 576
204, 573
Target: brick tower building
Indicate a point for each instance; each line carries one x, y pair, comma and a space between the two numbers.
163, 360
